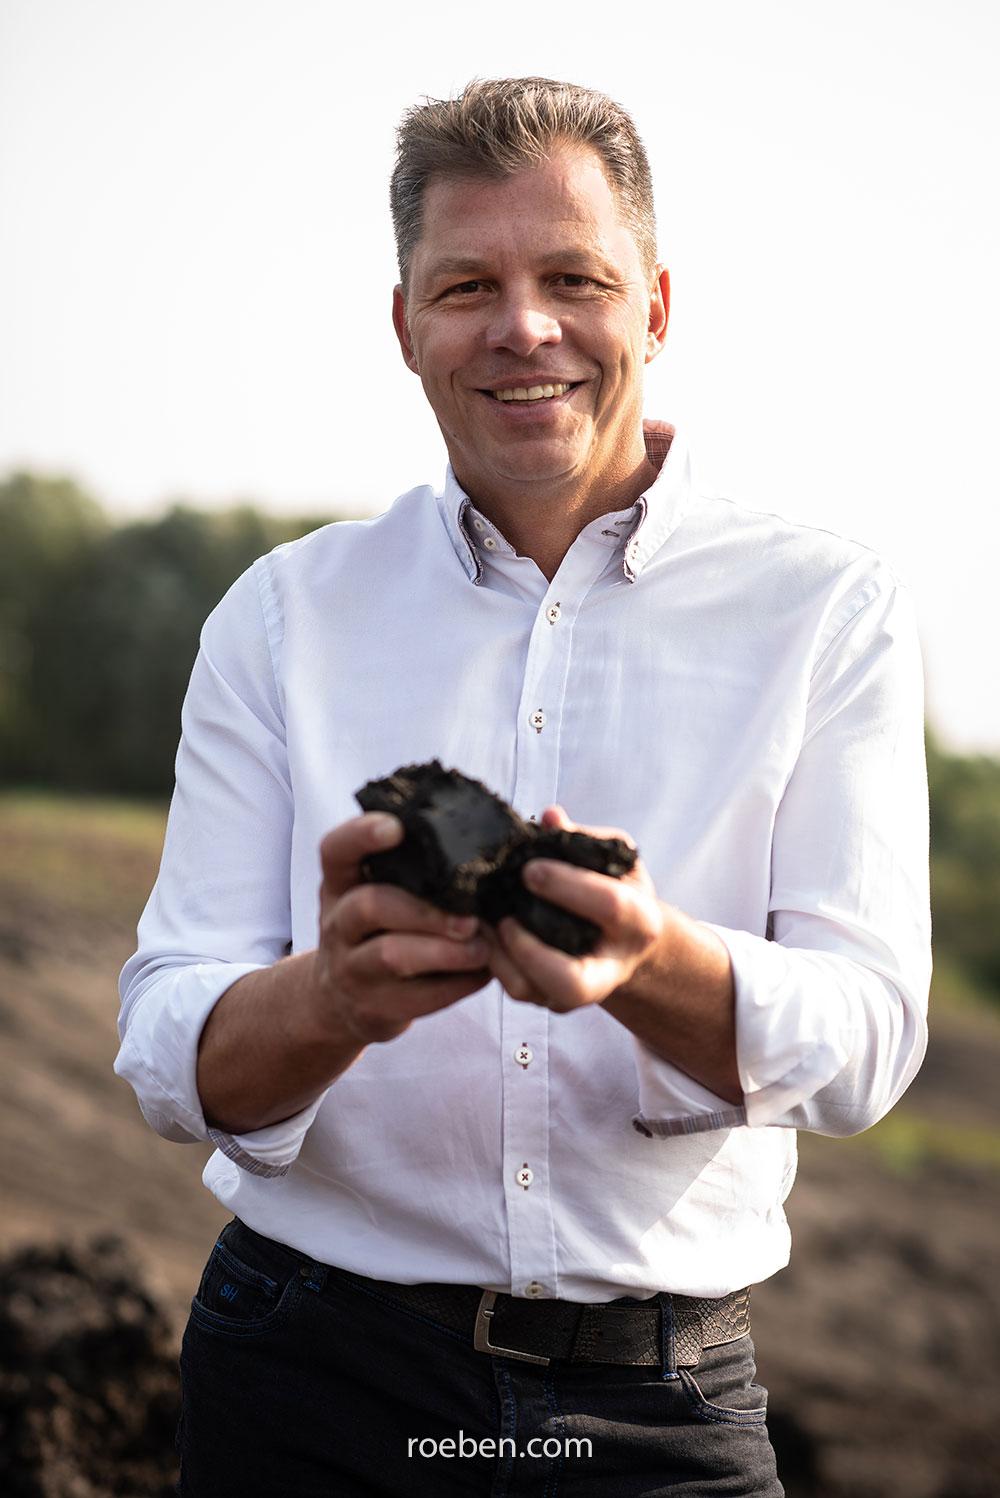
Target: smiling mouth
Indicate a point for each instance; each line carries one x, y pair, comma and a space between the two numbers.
531, 392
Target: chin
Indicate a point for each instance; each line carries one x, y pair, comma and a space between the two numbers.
534, 472
539, 458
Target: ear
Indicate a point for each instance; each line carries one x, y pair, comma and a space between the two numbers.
659, 313
402, 327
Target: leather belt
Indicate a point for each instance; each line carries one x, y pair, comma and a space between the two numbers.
626, 1331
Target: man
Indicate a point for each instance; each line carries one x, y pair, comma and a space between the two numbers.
496, 1209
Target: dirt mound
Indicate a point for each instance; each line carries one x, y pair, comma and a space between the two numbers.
878, 1342
89, 1394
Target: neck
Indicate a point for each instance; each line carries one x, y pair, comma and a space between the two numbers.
543, 526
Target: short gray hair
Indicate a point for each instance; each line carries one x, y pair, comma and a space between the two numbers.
498, 126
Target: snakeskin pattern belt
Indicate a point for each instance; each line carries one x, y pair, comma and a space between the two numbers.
624, 1331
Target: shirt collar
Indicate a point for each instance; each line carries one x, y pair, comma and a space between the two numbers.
654, 516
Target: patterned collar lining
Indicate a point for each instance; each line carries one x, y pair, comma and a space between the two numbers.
640, 531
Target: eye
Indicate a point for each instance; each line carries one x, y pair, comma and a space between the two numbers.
573, 281
464, 288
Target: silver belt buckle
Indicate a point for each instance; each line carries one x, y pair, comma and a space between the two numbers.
481, 1339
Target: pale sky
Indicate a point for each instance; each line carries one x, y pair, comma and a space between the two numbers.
196, 260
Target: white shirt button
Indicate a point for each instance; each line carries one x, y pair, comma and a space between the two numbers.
534, 1289
479, 525
524, 1055
552, 613
525, 1176
489, 543
537, 720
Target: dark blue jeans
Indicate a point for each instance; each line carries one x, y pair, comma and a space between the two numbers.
300, 1384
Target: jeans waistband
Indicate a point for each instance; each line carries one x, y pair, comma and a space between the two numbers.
628, 1330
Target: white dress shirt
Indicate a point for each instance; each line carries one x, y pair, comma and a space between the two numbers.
742, 695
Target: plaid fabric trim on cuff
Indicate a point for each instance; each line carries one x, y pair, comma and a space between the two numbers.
696, 1123
227, 1144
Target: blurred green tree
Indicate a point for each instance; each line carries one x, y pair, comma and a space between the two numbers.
113, 661
99, 627
965, 859
50, 528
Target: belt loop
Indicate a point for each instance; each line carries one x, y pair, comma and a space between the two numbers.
667, 1335
314, 1275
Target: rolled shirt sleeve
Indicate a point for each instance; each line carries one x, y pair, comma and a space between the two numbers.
831, 1004
220, 907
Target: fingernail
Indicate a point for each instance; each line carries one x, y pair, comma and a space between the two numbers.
534, 875
462, 926
385, 828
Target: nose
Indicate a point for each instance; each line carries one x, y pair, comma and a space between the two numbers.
521, 324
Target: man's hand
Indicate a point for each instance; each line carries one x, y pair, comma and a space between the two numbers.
384, 957
631, 918
659, 973
282, 1034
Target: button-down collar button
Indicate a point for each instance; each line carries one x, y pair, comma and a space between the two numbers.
479, 525
534, 1289
524, 1055
537, 720
489, 543
525, 1176
552, 613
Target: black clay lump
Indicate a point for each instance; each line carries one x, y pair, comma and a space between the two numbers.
465, 848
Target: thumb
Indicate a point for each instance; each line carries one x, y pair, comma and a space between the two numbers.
556, 818
342, 849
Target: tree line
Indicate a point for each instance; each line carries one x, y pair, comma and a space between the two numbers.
99, 627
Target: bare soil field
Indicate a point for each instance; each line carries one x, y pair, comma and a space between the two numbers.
880, 1343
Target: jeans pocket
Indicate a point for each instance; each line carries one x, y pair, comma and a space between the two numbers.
721, 1387
240, 1299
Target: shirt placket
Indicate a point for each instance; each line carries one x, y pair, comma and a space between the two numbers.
527, 1029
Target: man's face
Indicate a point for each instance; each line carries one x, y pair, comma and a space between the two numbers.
525, 284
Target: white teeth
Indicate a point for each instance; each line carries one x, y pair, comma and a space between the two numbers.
531, 393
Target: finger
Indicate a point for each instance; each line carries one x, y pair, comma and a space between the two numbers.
555, 817
516, 983
612, 904
398, 955
342, 849
542, 973
564, 982
370, 908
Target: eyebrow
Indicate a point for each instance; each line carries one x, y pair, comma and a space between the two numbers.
566, 257
455, 266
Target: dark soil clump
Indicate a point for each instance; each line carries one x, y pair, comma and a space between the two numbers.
465, 848
89, 1393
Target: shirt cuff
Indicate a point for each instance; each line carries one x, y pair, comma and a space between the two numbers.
271, 1151
794, 1027
158, 1058
671, 1102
